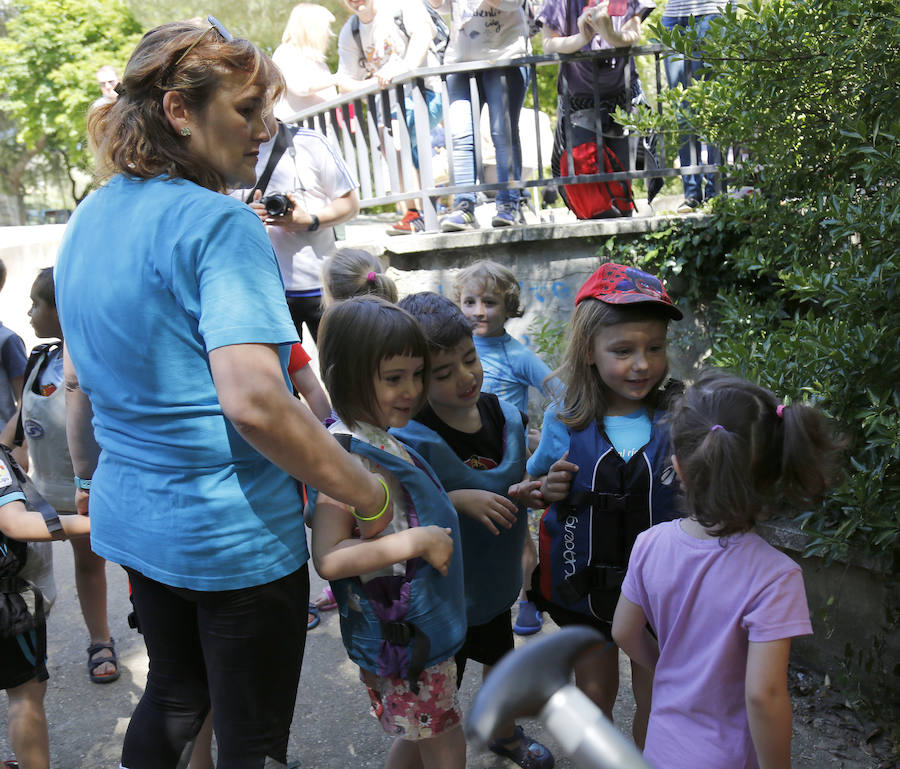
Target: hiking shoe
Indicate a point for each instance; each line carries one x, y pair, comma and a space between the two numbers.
459, 220
412, 222
687, 206
506, 216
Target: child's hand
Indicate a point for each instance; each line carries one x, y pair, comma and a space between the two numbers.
527, 493
486, 507
437, 546
558, 481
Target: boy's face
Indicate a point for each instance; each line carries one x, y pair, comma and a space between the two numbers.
456, 378
484, 309
44, 318
631, 360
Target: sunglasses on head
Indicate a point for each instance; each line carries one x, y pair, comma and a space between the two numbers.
214, 24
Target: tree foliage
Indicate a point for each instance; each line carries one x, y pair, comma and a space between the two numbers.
51, 52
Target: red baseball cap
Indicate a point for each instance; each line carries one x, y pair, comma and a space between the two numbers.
618, 284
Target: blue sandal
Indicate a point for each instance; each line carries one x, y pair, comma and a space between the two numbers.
527, 753
314, 611
93, 664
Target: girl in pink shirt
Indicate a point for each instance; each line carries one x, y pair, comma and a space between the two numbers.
723, 604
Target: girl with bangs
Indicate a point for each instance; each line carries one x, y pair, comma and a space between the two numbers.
400, 595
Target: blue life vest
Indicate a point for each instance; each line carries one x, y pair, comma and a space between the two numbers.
398, 625
492, 563
586, 539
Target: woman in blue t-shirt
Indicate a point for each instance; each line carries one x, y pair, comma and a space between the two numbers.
177, 331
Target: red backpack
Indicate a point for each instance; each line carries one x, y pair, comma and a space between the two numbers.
596, 200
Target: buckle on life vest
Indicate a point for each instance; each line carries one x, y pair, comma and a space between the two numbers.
401, 634
589, 579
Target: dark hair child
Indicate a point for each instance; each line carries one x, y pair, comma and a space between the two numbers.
723, 604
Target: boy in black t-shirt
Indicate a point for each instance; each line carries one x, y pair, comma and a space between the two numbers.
476, 445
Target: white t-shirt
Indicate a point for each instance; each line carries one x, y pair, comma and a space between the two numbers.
303, 70
316, 174
478, 31
383, 41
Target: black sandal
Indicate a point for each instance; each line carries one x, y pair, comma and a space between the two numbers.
93, 664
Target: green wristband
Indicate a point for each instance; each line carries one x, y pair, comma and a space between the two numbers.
384, 507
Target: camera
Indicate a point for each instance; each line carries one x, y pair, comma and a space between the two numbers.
277, 204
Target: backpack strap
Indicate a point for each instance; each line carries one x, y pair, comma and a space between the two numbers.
32, 361
283, 138
354, 30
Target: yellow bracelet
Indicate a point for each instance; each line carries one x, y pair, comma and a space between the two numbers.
384, 507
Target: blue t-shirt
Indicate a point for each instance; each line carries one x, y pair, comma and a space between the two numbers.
151, 276
510, 368
629, 433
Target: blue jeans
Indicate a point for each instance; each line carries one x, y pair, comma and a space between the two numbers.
680, 71
433, 102
504, 102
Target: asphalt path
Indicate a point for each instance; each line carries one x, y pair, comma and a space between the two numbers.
332, 728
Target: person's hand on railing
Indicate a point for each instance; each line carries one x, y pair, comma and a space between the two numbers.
394, 68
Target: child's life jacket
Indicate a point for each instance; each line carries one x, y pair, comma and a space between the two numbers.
21, 602
586, 539
398, 625
492, 563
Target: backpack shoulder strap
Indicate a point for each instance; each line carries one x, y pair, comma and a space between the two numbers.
357, 37
36, 354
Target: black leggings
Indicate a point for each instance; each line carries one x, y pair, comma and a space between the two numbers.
239, 651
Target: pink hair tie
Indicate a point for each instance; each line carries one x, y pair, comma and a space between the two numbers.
716, 427
370, 278
779, 410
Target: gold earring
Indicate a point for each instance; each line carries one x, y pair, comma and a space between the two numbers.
185, 131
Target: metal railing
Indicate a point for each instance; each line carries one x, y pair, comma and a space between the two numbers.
379, 151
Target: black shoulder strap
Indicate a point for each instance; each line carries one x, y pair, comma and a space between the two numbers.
354, 30
33, 359
283, 138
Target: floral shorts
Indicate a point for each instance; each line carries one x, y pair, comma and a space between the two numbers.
434, 710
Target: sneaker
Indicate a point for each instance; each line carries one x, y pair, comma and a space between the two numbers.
506, 216
459, 220
412, 222
688, 205
529, 620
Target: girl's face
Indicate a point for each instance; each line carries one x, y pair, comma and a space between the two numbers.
631, 360
44, 318
484, 309
398, 389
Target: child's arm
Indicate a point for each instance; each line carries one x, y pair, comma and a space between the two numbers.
308, 386
28, 526
337, 554
629, 631
486, 507
768, 702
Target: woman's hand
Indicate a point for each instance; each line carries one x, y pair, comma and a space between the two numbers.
437, 546
558, 481
486, 507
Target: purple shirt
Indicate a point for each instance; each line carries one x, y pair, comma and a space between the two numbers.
706, 602
562, 17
